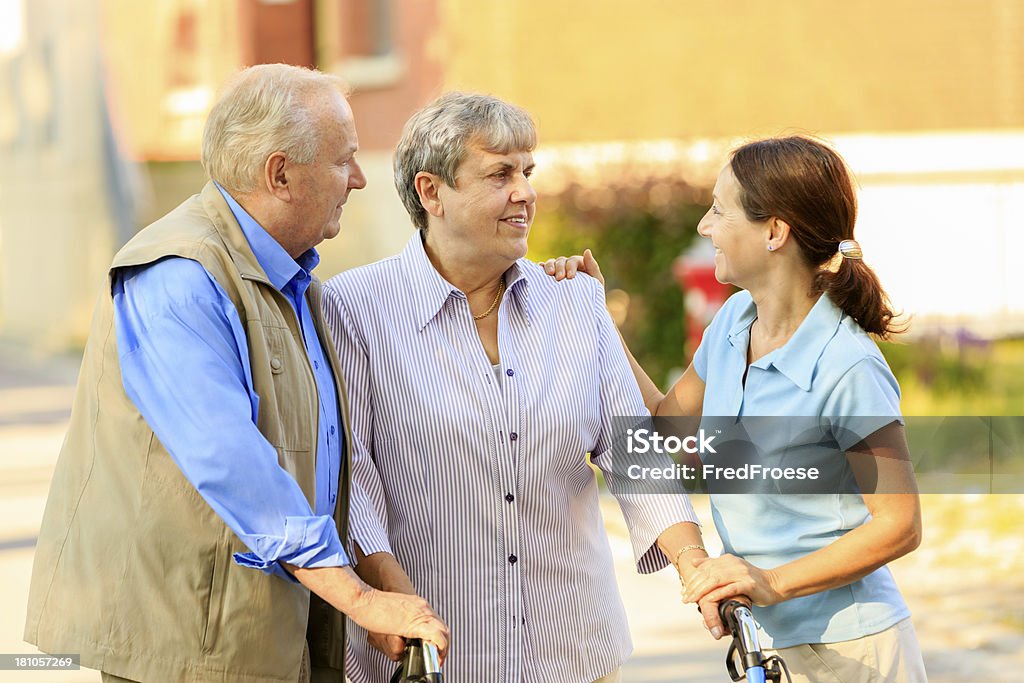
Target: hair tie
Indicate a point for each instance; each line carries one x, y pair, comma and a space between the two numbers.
851, 250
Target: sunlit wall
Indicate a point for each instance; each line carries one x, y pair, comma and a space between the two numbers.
925, 98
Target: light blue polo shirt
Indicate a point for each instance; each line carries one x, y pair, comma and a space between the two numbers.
829, 368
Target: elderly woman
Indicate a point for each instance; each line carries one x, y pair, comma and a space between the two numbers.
478, 385
795, 342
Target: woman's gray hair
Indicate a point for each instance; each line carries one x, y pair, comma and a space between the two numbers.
261, 110
437, 137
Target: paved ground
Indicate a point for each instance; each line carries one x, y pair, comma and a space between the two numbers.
35, 398
965, 585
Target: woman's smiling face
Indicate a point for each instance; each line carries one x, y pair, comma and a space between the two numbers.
491, 208
740, 244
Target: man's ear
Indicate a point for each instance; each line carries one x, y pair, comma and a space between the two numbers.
428, 187
276, 175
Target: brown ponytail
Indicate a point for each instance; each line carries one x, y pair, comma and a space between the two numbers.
806, 184
855, 289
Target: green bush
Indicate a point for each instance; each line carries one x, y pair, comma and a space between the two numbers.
636, 232
957, 375
943, 370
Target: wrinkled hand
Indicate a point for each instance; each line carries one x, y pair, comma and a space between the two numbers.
392, 646
398, 614
712, 619
687, 569
720, 578
566, 267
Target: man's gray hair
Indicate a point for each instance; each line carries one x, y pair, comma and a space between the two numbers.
261, 110
437, 137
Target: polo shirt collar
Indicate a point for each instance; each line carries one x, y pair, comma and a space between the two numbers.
798, 358
431, 290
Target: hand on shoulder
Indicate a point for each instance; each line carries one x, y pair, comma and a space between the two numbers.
566, 267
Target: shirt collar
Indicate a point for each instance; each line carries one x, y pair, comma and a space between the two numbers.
279, 266
798, 358
431, 290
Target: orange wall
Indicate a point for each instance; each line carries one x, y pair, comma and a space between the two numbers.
150, 51
601, 70
381, 112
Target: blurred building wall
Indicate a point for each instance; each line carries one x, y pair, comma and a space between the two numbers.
940, 221
925, 98
95, 81
169, 75
166, 60
60, 176
392, 78
593, 70
102, 104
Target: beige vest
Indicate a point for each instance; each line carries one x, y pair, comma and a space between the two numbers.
133, 569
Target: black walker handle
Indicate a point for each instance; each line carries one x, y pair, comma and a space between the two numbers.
421, 663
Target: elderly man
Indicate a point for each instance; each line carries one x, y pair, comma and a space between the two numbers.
478, 385
202, 492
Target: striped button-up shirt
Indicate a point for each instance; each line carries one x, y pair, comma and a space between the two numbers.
478, 479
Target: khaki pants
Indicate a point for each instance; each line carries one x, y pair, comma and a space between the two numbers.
304, 674
613, 677
304, 671
891, 656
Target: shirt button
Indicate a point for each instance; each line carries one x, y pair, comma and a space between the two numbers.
332, 430
510, 372
512, 559
513, 436
316, 364
275, 363
509, 497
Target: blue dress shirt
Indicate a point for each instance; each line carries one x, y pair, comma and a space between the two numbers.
185, 365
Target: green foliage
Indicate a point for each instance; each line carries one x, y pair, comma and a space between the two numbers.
958, 375
636, 232
638, 227
942, 370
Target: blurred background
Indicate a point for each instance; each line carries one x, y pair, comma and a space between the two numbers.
102, 104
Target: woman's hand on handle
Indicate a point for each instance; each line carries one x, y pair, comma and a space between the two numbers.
720, 578
892, 530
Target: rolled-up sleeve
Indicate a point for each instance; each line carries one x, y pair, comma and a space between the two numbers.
368, 518
185, 365
647, 514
